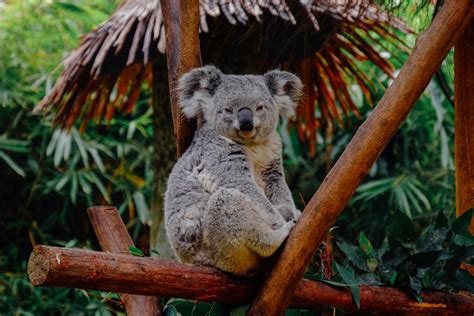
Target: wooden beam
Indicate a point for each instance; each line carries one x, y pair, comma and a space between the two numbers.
340, 184
61, 267
113, 237
464, 121
181, 22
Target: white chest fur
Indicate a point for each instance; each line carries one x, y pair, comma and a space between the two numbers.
260, 155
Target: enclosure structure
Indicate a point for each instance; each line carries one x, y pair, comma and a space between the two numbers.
122, 273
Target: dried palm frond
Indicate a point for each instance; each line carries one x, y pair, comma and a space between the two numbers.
106, 71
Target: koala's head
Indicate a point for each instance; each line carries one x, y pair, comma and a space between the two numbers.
243, 108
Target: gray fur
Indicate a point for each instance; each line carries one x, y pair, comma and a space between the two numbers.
227, 203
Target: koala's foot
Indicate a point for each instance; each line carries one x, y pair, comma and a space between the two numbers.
236, 226
270, 241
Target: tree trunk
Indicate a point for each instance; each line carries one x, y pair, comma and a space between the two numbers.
53, 266
183, 53
340, 184
164, 150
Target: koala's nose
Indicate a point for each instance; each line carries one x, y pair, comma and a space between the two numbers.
245, 117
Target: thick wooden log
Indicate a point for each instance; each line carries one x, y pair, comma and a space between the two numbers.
183, 53
340, 184
464, 121
61, 267
113, 237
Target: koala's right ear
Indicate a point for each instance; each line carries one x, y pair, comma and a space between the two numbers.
196, 87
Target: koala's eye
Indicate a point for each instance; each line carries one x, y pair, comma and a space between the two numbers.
228, 110
260, 108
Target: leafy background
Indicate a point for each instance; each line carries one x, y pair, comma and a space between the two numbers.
50, 177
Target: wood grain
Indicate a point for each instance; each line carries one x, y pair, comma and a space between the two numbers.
340, 184
464, 121
61, 267
113, 237
183, 53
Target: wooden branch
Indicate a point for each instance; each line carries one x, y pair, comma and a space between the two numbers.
181, 22
113, 237
464, 121
340, 184
61, 267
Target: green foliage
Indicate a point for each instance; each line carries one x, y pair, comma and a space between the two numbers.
430, 261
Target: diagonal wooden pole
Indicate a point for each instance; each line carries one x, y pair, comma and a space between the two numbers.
464, 121
464, 124
113, 237
340, 184
181, 22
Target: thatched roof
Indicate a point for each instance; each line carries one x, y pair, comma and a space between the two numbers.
106, 71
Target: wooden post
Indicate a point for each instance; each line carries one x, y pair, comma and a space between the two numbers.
337, 188
113, 237
53, 266
181, 22
464, 121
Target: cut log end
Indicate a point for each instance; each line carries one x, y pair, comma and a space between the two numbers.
38, 266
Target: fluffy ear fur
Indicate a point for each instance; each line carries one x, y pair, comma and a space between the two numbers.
286, 88
196, 87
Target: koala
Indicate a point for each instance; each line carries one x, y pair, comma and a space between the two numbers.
227, 203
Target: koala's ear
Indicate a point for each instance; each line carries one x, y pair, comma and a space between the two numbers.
286, 88
197, 86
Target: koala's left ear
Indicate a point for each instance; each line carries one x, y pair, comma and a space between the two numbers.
286, 88
196, 87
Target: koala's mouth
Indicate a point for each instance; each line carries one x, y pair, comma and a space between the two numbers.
247, 134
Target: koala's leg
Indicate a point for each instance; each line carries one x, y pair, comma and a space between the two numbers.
234, 222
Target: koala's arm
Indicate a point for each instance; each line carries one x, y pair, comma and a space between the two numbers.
277, 190
233, 173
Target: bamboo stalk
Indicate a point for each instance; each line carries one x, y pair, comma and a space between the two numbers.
181, 22
113, 237
61, 267
340, 184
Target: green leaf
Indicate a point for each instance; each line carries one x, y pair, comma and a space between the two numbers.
135, 251
415, 284
463, 280
441, 220
463, 240
393, 277
170, 310
366, 245
461, 224
425, 259
12, 164
239, 311
383, 249
155, 252
402, 227
432, 240
340, 284
354, 254
98, 161
372, 264
95, 179
355, 290
348, 276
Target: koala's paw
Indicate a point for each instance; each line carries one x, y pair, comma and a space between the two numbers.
287, 227
289, 213
296, 214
